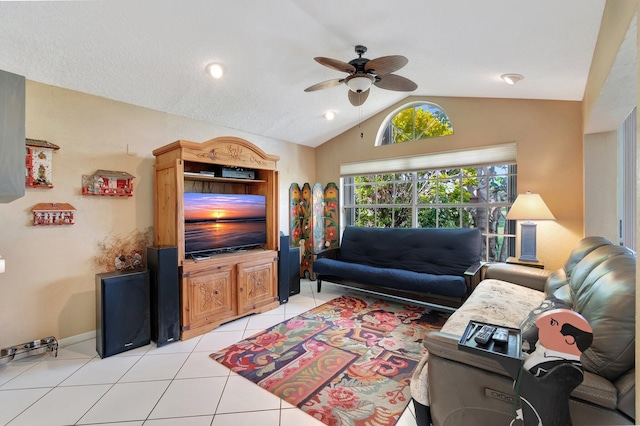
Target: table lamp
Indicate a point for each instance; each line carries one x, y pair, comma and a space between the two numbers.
529, 207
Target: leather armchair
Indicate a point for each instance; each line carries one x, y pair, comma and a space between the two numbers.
453, 387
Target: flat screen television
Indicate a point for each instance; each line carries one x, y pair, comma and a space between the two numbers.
223, 222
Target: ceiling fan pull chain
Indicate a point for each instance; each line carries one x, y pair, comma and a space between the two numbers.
360, 119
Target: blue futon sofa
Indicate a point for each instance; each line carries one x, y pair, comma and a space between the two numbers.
439, 266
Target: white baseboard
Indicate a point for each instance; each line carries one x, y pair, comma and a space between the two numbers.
67, 341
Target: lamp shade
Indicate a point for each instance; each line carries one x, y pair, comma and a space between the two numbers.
529, 207
359, 83
1, 266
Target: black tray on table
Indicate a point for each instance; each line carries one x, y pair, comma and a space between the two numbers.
509, 354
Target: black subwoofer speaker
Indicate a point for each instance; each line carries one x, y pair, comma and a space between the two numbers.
288, 270
162, 262
122, 311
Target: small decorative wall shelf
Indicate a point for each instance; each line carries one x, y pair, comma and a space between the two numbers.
38, 163
45, 214
108, 182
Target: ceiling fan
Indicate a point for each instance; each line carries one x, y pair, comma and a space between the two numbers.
363, 73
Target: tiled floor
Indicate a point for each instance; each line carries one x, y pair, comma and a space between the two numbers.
176, 384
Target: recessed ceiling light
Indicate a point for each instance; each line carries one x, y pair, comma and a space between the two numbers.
329, 115
215, 70
511, 78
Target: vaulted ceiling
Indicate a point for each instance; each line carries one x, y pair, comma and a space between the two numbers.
154, 53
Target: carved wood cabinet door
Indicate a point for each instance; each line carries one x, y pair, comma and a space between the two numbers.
256, 284
210, 296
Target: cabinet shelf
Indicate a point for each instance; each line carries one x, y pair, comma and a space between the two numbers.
210, 178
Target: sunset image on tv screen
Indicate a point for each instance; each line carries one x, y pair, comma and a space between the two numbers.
219, 207
222, 222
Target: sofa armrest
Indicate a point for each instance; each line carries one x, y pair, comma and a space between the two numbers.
518, 274
473, 276
445, 345
332, 253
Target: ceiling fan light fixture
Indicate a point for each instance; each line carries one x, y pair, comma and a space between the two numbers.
511, 79
215, 70
365, 72
359, 83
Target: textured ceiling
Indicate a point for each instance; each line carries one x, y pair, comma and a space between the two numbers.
154, 53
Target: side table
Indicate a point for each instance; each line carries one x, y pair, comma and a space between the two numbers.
516, 261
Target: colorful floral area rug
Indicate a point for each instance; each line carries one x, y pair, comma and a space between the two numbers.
346, 362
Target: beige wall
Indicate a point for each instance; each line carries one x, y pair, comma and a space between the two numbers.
48, 287
549, 154
601, 185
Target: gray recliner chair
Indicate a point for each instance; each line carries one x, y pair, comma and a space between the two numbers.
454, 387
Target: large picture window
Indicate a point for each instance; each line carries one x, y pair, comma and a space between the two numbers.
463, 197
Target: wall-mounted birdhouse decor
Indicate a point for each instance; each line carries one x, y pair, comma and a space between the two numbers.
45, 214
39, 163
108, 182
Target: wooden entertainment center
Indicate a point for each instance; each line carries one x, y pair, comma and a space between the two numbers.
219, 287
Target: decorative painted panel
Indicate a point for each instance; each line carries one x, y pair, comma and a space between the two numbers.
317, 221
314, 221
331, 216
296, 215
306, 244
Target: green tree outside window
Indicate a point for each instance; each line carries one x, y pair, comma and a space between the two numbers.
420, 121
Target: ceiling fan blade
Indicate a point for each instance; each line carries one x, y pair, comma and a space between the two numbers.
324, 85
358, 99
396, 82
335, 64
386, 64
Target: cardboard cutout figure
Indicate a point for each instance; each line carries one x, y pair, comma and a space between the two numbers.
563, 335
553, 369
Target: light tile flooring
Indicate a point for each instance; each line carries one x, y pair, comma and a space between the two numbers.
176, 384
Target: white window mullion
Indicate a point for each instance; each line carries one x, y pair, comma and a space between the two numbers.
414, 201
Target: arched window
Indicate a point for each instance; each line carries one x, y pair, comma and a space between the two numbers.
417, 120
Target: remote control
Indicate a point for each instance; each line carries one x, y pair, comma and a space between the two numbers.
484, 335
500, 336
